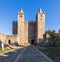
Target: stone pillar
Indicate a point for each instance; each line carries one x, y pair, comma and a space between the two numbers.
2, 46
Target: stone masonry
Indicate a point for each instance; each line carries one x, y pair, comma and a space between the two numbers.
26, 32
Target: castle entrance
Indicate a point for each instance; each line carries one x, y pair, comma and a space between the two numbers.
32, 41
9, 41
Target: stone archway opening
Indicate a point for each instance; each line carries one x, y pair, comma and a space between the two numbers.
32, 41
9, 41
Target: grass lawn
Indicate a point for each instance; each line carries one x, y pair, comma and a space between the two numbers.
52, 52
6, 49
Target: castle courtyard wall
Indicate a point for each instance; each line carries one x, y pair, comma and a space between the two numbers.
5, 38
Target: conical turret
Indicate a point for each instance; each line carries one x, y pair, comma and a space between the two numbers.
40, 10
21, 11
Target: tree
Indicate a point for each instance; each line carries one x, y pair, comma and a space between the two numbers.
54, 36
58, 31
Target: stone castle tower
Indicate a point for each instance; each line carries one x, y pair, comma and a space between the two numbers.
40, 22
25, 33
21, 27
29, 32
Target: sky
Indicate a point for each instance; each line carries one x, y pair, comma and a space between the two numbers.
9, 12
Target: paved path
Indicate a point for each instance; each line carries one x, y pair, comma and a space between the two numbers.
28, 54
10, 56
31, 54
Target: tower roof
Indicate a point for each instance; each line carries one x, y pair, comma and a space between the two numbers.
21, 11
40, 10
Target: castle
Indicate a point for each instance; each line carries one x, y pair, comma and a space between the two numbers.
25, 33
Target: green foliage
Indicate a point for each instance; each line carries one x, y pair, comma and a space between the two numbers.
52, 52
6, 49
55, 36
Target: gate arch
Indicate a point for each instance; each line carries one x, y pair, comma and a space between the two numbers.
9, 41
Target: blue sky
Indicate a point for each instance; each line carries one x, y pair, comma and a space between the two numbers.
9, 11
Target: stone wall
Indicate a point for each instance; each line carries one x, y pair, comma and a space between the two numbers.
11, 39
21, 28
40, 21
6, 39
14, 27
2, 38
31, 31
26, 32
